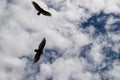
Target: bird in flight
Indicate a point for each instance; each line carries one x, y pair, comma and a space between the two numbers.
40, 10
39, 51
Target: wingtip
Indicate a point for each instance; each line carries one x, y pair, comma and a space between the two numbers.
35, 61
44, 38
32, 2
50, 14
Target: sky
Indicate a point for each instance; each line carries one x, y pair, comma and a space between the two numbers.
82, 40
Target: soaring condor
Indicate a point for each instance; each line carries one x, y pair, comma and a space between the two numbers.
40, 10
39, 51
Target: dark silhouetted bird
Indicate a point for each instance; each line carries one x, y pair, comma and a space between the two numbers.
39, 51
40, 10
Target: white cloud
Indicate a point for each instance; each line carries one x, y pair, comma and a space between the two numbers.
11, 67
109, 6
66, 68
115, 71
21, 30
45, 73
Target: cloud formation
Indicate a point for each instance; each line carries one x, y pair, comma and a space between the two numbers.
82, 40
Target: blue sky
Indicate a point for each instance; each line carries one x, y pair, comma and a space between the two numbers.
82, 40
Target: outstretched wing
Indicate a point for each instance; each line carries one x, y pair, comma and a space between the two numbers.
46, 13
36, 6
42, 44
36, 57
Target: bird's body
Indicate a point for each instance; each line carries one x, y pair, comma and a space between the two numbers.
39, 50
40, 10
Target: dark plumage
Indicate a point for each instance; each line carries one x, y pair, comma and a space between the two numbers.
40, 10
39, 50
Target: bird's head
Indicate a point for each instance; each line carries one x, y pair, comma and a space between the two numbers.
35, 50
